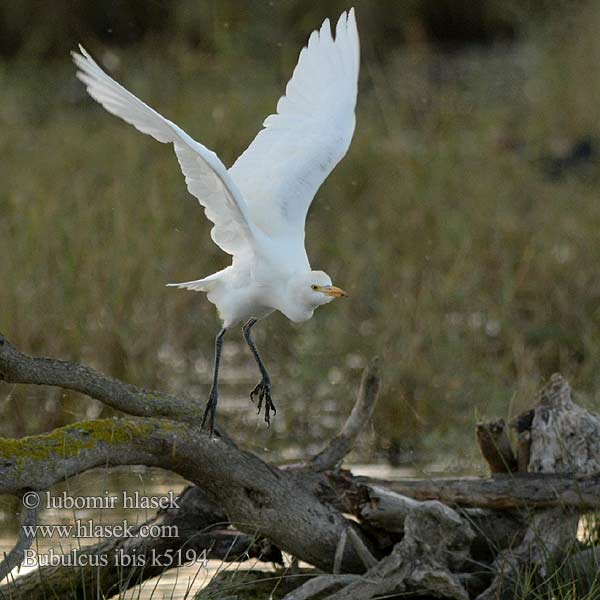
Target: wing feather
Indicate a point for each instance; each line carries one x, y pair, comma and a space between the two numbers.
299, 146
205, 175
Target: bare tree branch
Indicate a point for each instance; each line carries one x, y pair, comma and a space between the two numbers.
257, 498
501, 492
365, 554
335, 451
17, 367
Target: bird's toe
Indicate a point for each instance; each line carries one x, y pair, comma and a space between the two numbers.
262, 391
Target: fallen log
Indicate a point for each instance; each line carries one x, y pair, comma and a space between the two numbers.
501, 492
257, 498
447, 538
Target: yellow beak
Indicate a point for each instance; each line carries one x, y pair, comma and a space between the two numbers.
332, 290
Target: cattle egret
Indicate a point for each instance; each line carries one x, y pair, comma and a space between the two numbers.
259, 205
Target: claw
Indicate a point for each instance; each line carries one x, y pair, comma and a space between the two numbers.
263, 390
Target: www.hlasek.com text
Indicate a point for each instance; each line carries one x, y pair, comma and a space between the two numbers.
89, 529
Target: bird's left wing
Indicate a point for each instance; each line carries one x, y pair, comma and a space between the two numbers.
206, 176
284, 166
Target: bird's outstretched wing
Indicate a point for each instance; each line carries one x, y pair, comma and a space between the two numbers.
286, 163
205, 175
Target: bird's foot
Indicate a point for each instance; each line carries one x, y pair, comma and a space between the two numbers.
210, 411
263, 391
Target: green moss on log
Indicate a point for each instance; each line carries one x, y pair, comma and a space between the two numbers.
69, 441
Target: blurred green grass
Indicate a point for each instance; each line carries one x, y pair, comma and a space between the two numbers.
473, 274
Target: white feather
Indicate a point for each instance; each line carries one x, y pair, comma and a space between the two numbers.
206, 176
282, 169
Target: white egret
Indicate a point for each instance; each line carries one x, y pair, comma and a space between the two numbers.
259, 205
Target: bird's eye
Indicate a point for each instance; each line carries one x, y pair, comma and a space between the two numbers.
314, 287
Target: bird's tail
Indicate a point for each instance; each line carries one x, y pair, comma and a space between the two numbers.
200, 285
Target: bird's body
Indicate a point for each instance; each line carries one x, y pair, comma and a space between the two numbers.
259, 205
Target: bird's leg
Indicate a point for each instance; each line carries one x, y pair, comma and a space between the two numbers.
211, 405
263, 387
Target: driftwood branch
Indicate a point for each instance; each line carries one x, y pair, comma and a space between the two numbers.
563, 438
318, 585
256, 497
337, 449
18, 367
502, 492
448, 538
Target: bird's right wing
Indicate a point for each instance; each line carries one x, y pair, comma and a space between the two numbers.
206, 176
289, 159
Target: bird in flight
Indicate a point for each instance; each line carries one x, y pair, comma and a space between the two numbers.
258, 207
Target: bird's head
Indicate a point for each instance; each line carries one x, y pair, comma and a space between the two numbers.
319, 289
307, 291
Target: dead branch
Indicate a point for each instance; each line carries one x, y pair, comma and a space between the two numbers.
336, 450
18, 367
318, 585
563, 439
256, 497
409, 541
494, 445
502, 492
435, 544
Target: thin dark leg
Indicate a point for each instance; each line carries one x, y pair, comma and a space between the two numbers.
211, 405
263, 387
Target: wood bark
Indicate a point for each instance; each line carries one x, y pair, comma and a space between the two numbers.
501, 492
551, 533
425, 537
495, 447
256, 497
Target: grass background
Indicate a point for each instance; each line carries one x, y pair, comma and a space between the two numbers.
468, 239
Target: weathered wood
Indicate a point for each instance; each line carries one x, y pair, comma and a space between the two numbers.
256, 497
555, 447
436, 543
430, 549
501, 492
385, 509
18, 367
339, 446
565, 437
320, 584
495, 447
253, 494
